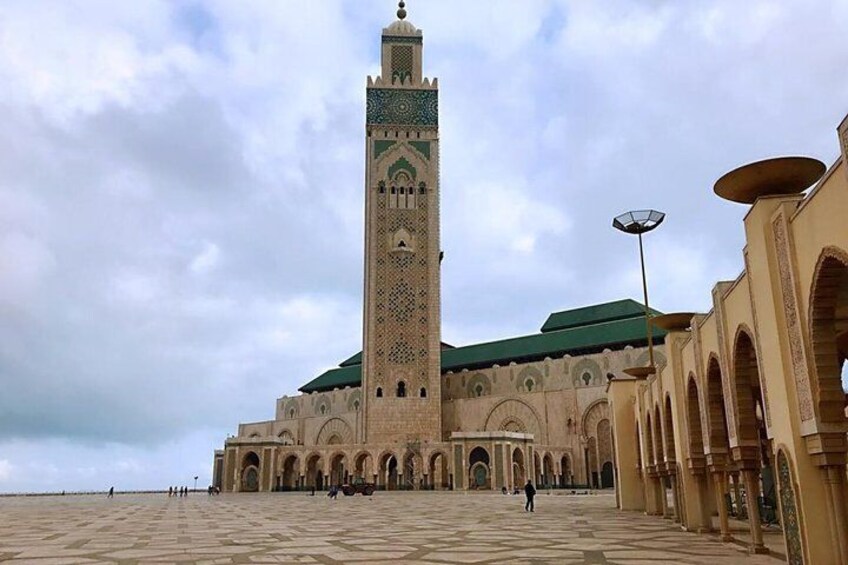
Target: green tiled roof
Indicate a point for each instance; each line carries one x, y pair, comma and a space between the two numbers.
335, 378
574, 341
609, 311
613, 330
352, 360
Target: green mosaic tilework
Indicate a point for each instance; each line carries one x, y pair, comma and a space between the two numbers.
381, 146
392, 106
422, 147
402, 165
419, 40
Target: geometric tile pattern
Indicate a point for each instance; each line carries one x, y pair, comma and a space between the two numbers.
391, 106
397, 527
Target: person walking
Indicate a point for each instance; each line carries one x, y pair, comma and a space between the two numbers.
529, 492
170, 492
111, 492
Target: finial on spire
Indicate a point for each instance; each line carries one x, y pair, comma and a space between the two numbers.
401, 13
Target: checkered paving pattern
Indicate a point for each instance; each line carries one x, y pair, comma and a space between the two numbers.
434, 528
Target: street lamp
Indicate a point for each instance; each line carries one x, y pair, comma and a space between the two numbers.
639, 222
195, 483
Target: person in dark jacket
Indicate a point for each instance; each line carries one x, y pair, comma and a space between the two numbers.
530, 492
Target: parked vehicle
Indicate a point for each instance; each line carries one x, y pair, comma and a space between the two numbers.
358, 485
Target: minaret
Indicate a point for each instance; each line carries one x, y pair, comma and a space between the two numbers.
401, 338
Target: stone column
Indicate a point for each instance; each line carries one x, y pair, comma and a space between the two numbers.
834, 478
706, 525
666, 511
752, 488
737, 498
720, 481
675, 496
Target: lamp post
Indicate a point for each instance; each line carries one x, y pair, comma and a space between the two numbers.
195, 483
638, 222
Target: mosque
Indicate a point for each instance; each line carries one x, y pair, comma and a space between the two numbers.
412, 412
736, 428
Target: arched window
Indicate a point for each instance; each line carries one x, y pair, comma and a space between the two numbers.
587, 378
379, 392
394, 190
323, 409
529, 384
401, 389
422, 188
291, 413
423, 392
356, 405
478, 390
401, 191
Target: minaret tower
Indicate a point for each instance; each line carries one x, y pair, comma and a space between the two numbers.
402, 364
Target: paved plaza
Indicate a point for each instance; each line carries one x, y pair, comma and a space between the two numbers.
386, 528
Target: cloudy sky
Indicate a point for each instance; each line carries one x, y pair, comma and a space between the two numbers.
181, 192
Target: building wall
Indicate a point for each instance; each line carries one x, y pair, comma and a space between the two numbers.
759, 339
560, 402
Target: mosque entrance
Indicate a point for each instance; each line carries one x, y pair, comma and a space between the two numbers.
478, 460
607, 476
250, 473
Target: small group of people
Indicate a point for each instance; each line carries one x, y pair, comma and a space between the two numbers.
529, 492
334, 492
213, 490
175, 491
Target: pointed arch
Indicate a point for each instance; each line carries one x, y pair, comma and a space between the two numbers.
828, 322
335, 428
693, 419
513, 409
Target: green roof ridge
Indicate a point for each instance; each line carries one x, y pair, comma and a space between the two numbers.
580, 340
594, 314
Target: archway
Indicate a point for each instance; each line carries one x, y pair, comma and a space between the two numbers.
478, 469
410, 472
565, 479
697, 458
547, 470
753, 454
338, 470
519, 470
671, 460
607, 475
718, 445
291, 474
362, 466
315, 472
388, 475
829, 334
438, 477
250, 466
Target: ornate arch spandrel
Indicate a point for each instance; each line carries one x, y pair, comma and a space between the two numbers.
797, 351
594, 413
334, 427
790, 513
515, 409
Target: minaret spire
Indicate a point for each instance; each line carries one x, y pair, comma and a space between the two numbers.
401, 13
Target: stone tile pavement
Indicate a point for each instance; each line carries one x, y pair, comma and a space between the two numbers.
434, 528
